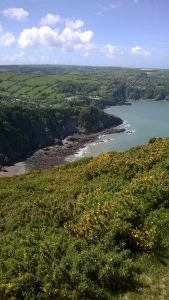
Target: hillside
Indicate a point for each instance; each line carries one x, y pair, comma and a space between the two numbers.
50, 85
93, 229
25, 128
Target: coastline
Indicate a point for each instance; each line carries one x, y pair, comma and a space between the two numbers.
55, 155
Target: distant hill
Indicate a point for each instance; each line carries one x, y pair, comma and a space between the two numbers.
78, 85
59, 69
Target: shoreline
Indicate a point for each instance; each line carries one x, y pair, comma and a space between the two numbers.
55, 155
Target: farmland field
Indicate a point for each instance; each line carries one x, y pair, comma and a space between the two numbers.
55, 85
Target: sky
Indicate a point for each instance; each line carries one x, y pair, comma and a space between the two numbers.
124, 33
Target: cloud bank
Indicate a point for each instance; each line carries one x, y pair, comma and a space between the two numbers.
71, 37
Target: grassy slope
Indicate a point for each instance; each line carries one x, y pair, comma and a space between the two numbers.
32, 85
86, 230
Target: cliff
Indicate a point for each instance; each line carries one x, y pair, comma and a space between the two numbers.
24, 128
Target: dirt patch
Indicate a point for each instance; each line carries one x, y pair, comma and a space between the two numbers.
17, 169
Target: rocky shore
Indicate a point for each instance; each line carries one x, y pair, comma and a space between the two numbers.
56, 155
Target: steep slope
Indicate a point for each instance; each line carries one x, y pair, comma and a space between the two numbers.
86, 230
24, 128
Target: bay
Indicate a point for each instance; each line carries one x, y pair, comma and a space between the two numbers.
142, 120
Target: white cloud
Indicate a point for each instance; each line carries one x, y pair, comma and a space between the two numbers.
140, 51
111, 50
77, 24
68, 39
50, 20
28, 38
6, 38
18, 14
75, 37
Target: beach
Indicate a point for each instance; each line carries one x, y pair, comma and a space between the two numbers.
56, 154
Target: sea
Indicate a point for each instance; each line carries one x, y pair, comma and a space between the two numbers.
142, 120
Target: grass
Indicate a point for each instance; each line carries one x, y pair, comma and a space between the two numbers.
154, 283
31, 84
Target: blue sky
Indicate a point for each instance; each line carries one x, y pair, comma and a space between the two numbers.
129, 33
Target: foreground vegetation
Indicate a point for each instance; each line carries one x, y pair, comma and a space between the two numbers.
93, 229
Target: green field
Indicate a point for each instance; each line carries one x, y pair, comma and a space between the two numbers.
51, 84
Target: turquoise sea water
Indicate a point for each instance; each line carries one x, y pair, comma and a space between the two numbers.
142, 120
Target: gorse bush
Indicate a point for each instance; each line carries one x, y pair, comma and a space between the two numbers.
77, 231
